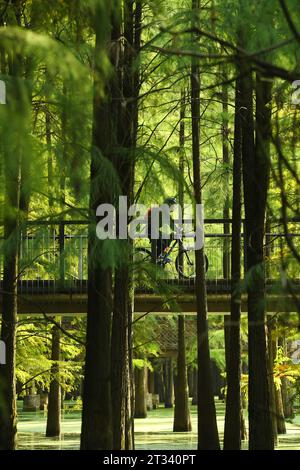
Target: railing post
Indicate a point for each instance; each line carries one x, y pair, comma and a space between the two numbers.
245, 247
226, 252
80, 259
267, 249
61, 241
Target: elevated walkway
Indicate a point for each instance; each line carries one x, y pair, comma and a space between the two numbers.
42, 296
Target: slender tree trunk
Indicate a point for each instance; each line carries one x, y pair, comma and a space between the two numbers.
207, 422
226, 211
119, 337
12, 150
54, 404
120, 358
126, 89
279, 413
25, 189
134, 123
182, 419
233, 415
281, 427
8, 411
96, 432
140, 410
169, 382
181, 162
255, 178
272, 391
227, 323
190, 381
151, 381
159, 383
195, 387
286, 401
49, 159
129, 435
226, 161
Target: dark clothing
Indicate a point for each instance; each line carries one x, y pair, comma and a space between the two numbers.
162, 243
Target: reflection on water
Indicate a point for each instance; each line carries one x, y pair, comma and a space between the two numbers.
152, 433
38, 441
70, 441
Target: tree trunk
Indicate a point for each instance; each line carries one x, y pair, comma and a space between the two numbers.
120, 357
227, 323
54, 404
150, 381
190, 381
281, 427
226, 211
159, 383
233, 415
182, 419
255, 178
26, 160
140, 410
12, 150
195, 387
286, 399
225, 154
96, 432
207, 423
272, 390
181, 165
126, 91
134, 123
8, 410
279, 413
169, 383
129, 435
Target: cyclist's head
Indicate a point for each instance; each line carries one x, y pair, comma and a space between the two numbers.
171, 202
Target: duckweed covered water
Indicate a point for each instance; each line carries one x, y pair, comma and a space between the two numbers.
151, 433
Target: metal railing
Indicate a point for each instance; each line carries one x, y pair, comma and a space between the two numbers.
54, 257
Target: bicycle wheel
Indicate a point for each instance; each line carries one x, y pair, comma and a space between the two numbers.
187, 270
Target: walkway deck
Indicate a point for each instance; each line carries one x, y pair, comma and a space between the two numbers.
41, 296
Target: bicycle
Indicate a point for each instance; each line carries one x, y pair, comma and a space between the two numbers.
184, 262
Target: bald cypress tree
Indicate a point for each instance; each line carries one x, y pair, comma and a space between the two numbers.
255, 161
232, 431
14, 157
126, 87
96, 432
207, 423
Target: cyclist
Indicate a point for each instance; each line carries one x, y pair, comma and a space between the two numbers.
166, 231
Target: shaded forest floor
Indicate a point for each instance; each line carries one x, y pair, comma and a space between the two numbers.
152, 433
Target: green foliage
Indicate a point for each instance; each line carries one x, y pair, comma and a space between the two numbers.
34, 358
52, 69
